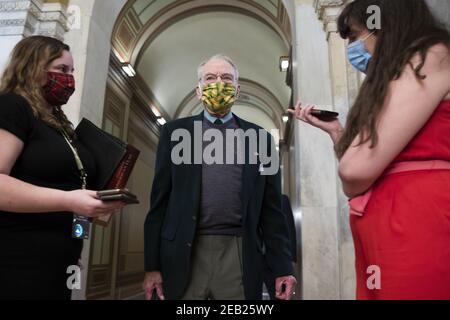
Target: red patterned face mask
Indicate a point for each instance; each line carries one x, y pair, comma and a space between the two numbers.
59, 88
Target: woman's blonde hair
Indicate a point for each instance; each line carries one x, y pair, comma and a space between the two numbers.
25, 72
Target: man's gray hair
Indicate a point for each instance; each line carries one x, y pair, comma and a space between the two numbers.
218, 57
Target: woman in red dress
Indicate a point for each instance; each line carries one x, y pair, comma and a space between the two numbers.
395, 150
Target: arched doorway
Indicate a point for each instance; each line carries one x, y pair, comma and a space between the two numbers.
163, 43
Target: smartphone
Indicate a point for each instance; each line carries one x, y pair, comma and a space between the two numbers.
114, 192
118, 195
323, 115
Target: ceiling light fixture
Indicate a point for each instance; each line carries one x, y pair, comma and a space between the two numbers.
162, 121
284, 63
129, 70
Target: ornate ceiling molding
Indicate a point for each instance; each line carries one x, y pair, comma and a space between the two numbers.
328, 11
131, 36
10, 6
136, 90
33, 17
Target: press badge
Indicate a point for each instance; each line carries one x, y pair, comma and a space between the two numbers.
81, 227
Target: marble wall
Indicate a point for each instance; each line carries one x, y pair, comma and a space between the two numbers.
315, 168
344, 86
442, 10
323, 77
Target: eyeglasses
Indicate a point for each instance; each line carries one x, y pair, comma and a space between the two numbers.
226, 77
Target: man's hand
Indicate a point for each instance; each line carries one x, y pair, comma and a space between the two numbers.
288, 283
153, 281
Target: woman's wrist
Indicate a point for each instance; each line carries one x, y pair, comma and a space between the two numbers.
66, 201
336, 135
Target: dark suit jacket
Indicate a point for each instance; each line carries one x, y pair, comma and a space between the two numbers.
269, 278
170, 227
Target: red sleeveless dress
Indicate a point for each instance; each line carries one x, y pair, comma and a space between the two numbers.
402, 242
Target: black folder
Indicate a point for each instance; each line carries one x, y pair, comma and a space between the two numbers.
107, 150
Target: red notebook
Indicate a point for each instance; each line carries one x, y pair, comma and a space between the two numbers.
120, 177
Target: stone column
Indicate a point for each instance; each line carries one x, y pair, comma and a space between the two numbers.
314, 192
345, 82
90, 41
23, 18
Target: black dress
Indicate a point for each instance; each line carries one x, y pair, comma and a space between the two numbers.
37, 248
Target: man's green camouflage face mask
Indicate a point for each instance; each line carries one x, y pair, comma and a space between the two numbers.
219, 97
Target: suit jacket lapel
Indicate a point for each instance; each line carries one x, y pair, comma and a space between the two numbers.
194, 171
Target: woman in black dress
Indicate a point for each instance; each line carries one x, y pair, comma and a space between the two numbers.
40, 182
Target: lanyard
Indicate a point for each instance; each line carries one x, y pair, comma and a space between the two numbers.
80, 225
83, 174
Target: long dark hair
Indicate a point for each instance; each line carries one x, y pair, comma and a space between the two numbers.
24, 74
407, 28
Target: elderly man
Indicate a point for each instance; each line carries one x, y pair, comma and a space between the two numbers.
210, 222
